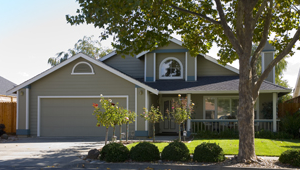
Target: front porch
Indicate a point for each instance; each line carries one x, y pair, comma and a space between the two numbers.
213, 112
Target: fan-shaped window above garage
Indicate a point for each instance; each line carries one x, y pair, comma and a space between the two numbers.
82, 68
170, 68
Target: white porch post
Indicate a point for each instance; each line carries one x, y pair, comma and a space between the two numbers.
274, 111
189, 120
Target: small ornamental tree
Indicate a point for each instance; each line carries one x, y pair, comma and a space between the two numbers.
180, 111
130, 117
153, 116
104, 114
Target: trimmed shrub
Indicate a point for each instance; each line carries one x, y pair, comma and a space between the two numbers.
208, 152
226, 134
114, 152
144, 152
291, 157
176, 151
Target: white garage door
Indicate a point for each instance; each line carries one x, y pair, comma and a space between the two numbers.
71, 116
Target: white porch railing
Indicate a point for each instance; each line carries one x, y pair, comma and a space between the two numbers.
229, 124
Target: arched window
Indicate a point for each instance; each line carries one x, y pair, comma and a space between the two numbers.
170, 68
82, 68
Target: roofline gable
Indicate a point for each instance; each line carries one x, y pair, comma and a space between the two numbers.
92, 60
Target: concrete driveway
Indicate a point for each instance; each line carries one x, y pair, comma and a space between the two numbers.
46, 152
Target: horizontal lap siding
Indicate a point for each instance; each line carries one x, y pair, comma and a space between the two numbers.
131, 66
208, 68
62, 83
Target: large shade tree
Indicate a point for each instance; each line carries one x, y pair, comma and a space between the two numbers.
86, 45
234, 25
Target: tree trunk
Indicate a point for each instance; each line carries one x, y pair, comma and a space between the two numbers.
120, 127
114, 128
153, 126
179, 133
106, 135
183, 129
246, 113
127, 132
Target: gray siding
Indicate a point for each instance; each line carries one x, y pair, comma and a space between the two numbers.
208, 68
22, 109
62, 83
268, 60
140, 105
129, 65
171, 45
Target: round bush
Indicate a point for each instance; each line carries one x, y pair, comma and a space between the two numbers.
114, 152
176, 151
208, 152
291, 157
144, 152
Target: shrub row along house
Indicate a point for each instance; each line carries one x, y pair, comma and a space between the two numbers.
58, 102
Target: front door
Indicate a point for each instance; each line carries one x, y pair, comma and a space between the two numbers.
168, 125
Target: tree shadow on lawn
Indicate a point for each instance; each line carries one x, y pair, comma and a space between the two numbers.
48, 158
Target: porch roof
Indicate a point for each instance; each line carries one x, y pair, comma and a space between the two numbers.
213, 84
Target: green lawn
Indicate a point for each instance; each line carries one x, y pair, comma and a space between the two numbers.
263, 147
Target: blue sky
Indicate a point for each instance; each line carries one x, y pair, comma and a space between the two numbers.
34, 30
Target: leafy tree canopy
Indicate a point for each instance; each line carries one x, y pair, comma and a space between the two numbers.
86, 45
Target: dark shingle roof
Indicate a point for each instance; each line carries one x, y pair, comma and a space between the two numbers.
6, 85
209, 83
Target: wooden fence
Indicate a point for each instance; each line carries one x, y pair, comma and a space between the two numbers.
8, 116
287, 108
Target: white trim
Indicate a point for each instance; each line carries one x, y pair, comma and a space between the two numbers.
141, 54
108, 56
181, 68
145, 68
176, 41
82, 62
262, 62
146, 106
216, 62
154, 67
17, 117
92, 60
27, 108
70, 97
185, 66
135, 108
274, 111
196, 68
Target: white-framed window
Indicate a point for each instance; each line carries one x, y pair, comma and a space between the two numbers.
171, 68
222, 107
82, 68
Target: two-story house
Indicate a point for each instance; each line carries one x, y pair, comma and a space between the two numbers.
58, 102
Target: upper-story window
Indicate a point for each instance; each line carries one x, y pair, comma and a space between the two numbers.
170, 68
82, 68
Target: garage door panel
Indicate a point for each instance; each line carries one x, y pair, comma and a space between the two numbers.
71, 117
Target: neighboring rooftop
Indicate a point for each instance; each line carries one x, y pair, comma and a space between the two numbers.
5, 85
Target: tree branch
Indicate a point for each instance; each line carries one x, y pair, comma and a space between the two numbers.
264, 37
239, 22
259, 12
277, 59
227, 30
197, 14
